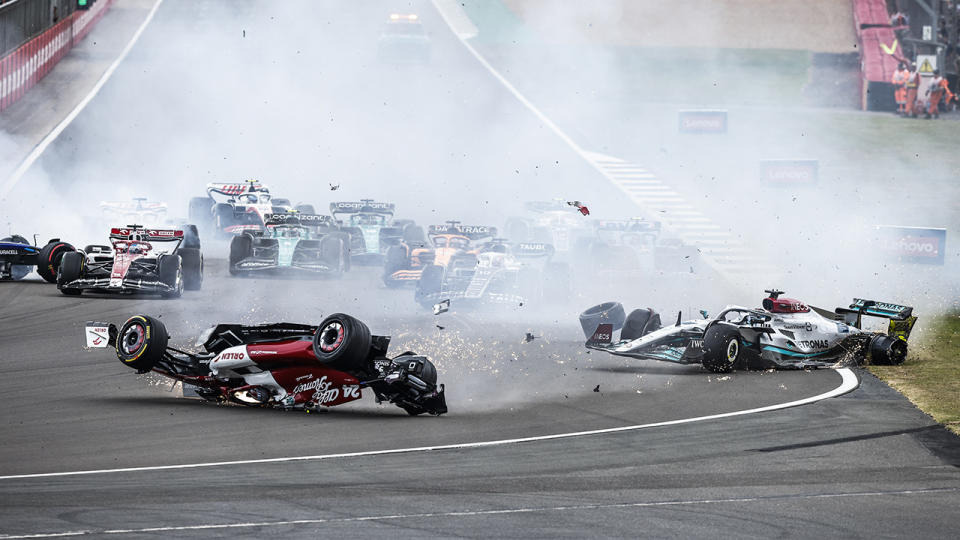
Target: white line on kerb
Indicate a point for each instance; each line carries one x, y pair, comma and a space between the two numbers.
494, 512
849, 382
52, 136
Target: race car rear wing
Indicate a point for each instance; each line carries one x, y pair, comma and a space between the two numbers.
473, 232
363, 206
134, 232
901, 318
533, 249
306, 220
234, 189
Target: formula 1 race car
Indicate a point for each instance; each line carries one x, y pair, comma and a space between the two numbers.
305, 244
552, 222
372, 229
131, 264
405, 263
281, 365
403, 39
139, 210
638, 244
233, 208
496, 272
785, 333
18, 258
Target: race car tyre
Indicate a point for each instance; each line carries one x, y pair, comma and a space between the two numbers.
170, 268
18, 271
201, 210
342, 342
605, 313
414, 236
192, 261
639, 323
223, 216
305, 209
48, 260
241, 247
71, 268
191, 237
395, 260
429, 286
722, 348
141, 342
887, 351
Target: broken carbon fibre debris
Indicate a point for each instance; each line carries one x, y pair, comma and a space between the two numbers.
442, 307
334, 187
529, 337
579, 206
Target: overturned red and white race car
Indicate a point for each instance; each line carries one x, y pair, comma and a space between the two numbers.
281, 365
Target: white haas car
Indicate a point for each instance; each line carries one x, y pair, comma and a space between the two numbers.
785, 333
135, 262
232, 208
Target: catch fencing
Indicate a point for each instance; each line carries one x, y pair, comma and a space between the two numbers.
23, 66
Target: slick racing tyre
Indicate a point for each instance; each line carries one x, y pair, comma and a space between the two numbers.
395, 260
141, 342
335, 252
241, 247
342, 342
170, 268
18, 271
887, 351
48, 261
71, 268
722, 348
413, 236
192, 263
605, 313
191, 237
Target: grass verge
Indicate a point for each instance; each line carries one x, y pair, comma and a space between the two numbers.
930, 378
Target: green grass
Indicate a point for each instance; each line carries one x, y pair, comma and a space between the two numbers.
930, 378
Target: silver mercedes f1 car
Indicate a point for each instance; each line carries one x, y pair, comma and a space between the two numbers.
784, 333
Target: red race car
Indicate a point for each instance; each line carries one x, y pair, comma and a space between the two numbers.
281, 365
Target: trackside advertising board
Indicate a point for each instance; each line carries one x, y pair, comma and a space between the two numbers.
917, 245
703, 121
789, 172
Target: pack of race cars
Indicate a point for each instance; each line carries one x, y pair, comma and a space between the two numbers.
467, 264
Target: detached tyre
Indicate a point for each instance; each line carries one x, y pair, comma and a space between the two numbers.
71, 269
429, 286
141, 342
241, 247
49, 258
722, 348
342, 342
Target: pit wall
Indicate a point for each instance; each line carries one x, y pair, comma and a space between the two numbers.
23, 67
879, 54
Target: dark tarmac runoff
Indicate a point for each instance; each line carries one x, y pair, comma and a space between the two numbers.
528, 448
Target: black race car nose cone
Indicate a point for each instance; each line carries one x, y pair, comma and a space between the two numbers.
331, 337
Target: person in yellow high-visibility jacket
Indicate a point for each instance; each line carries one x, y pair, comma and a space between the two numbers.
899, 81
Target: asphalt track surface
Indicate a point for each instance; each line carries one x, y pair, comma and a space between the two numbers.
867, 464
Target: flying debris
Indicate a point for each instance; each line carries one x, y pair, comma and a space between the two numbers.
439, 327
334, 187
442, 307
596, 388
581, 207
529, 337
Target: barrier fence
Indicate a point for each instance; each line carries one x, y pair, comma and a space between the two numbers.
24, 66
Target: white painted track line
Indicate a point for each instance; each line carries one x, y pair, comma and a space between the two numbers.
848, 383
35, 154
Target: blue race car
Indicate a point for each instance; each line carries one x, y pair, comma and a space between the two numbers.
18, 257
